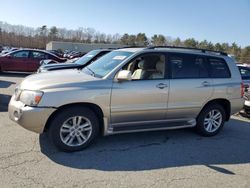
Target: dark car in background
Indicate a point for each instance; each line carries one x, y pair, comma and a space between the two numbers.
25, 60
78, 64
245, 75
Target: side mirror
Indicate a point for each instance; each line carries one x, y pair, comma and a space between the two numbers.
124, 75
41, 62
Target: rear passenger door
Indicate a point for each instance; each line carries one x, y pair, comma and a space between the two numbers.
224, 86
35, 58
190, 85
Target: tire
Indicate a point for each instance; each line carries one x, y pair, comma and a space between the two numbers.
74, 129
207, 126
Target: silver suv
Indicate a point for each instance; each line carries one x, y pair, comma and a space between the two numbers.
131, 90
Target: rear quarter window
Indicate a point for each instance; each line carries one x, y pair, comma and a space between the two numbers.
218, 68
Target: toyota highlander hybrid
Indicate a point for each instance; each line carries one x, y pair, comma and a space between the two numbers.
131, 90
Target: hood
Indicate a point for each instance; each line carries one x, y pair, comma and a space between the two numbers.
59, 65
56, 79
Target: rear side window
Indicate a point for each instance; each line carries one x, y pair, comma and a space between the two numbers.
218, 68
39, 55
188, 66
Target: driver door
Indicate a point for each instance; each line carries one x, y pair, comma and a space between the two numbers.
144, 98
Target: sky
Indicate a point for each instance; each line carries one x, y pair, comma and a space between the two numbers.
213, 20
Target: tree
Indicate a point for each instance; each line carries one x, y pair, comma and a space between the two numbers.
177, 42
125, 39
1, 36
158, 40
203, 44
218, 47
43, 30
245, 56
236, 51
132, 40
191, 42
141, 39
53, 33
225, 47
210, 46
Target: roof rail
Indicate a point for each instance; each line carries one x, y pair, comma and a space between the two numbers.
133, 47
187, 48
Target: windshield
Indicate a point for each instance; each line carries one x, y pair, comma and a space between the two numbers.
84, 59
107, 63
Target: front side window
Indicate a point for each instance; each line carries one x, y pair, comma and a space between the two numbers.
187, 66
147, 67
21, 54
104, 65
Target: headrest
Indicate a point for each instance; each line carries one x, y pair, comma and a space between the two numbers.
160, 66
141, 64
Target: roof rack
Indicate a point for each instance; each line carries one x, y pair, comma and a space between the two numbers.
133, 46
187, 48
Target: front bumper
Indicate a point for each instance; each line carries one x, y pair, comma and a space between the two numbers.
31, 118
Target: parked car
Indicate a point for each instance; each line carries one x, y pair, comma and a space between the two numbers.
56, 52
245, 74
78, 64
131, 90
25, 60
8, 50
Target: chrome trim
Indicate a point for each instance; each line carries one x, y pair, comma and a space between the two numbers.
153, 129
153, 121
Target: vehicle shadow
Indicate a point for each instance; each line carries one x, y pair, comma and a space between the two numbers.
14, 74
5, 84
157, 150
4, 101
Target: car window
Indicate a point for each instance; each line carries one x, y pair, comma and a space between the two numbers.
22, 54
87, 57
245, 72
147, 67
218, 68
39, 55
104, 65
188, 66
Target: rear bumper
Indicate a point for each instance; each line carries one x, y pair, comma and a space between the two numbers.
31, 118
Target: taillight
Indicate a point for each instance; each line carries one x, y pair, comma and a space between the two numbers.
242, 89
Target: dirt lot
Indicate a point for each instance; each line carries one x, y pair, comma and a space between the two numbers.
153, 159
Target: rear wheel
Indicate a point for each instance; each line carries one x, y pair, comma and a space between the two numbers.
74, 128
211, 120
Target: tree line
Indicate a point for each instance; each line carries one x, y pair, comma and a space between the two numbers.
29, 37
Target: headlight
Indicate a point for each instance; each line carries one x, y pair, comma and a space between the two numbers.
30, 98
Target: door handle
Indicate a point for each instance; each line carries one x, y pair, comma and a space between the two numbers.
161, 85
205, 83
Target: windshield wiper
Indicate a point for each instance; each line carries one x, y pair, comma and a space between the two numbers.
92, 72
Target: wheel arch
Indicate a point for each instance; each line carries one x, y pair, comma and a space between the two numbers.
95, 108
223, 102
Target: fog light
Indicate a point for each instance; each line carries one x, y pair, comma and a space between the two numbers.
16, 115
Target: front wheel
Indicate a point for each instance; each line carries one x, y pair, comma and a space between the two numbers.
74, 128
211, 120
